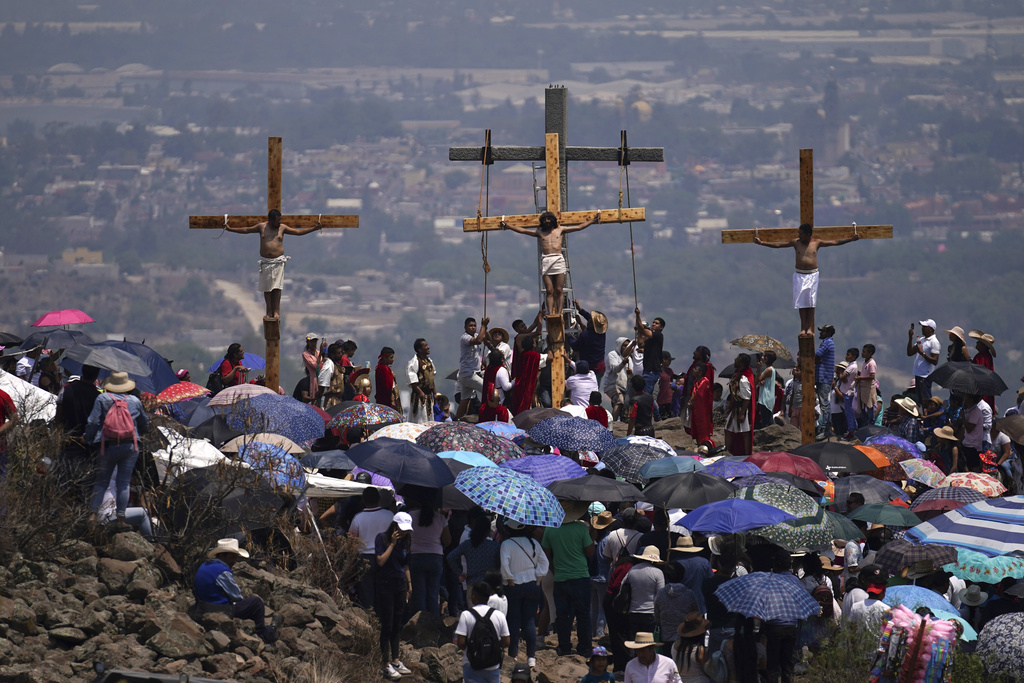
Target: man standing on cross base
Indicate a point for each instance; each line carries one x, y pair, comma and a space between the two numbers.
272, 258
805, 279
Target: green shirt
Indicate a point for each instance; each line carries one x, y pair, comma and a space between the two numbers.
566, 544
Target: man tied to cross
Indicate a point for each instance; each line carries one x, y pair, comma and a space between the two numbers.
805, 279
272, 258
553, 266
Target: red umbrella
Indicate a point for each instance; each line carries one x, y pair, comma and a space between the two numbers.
327, 418
70, 316
797, 465
930, 509
182, 391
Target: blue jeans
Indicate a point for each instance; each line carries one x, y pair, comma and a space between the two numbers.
822, 390
523, 601
651, 381
122, 457
426, 570
572, 600
851, 415
923, 387
597, 620
471, 675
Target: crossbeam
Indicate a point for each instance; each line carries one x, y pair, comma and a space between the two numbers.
294, 220
867, 232
530, 220
577, 153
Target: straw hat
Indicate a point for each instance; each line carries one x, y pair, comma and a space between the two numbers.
908, 405
946, 433
118, 383
918, 570
684, 544
693, 624
643, 639
650, 554
602, 520
827, 565
227, 545
972, 596
501, 332
987, 339
957, 332
839, 547
600, 321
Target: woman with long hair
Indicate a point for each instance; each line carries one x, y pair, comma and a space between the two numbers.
481, 552
523, 564
739, 425
232, 372
688, 651
392, 589
426, 558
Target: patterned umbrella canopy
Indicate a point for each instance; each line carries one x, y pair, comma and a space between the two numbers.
364, 415
545, 468
924, 471
182, 391
971, 565
876, 456
727, 469
895, 455
732, 515
466, 457
402, 462
406, 431
992, 527
962, 494
810, 529
511, 494
688, 490
1000, 645
572, 434
674, 464
239, 392
768, 596
762, 343
235, 444
647, 441
274, 463
502, 429
901, 553
459, 436
843, 527
914, 597
985, 484
787, 462
279, 415
755, 479
882, 513
528, 418
893, 440
874, 490
626, 460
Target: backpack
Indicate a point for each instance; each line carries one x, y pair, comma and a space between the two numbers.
483, 647
215, 383
716, 667
118, 424
822, 594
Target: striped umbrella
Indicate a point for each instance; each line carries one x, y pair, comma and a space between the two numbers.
959, 493
985, 484
991, 527
511, 494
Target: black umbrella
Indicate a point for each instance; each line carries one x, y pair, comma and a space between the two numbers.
108, 358
328, 460
528, 418
594, 487
403, 462
968, 378
865, 433
835, 457
216, 430
338, 407
8, 339
227, 498
447, 497
874, 490
805, 485
56, 339
688, 490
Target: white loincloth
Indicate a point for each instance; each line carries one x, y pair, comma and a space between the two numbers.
552, 264
272, 273
805, 288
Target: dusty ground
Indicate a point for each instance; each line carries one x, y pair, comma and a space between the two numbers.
773, 438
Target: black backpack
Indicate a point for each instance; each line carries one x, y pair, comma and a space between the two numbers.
483, 647
215, 383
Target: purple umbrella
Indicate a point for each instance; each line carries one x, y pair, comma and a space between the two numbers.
727, 469
545, 468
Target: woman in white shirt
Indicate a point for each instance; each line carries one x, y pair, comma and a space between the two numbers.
523, 564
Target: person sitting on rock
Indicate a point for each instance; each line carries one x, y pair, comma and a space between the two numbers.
216, 589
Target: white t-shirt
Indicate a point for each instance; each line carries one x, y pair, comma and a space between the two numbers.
636, 361
868, 612
930, 345
468, 620
24, 367
323, 378
367, 524
469, 358
979, 415
848, 380
580, 387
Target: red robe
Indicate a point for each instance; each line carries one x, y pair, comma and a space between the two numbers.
497, 414
702, 427
526, 381
690, 389
384, 384
984, 359
598, 414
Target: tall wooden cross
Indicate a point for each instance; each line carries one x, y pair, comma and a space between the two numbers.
272, 326
806, 343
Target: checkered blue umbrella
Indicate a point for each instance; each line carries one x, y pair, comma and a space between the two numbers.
727, 469
572, 434
503, 429
768, 596
516, 496
545, 468
625, 460
278, 415
959, 493
674, 464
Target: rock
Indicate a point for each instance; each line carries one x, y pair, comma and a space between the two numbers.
166, 563
554, 669
220, 621
115, 574
76, 550
68, 634
441, 665
180, 638
427, 630
223, 665
294, 615
139, 590
86, 566
218, 640
88, 589
17, 615
129, 547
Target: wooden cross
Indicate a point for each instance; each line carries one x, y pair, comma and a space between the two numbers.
272, 326
806, 343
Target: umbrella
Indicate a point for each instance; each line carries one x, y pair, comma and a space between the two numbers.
969, 632
528, 418
406, 431
459, 436
468, 458
728, 469
843, 527
688, 490
873, 490
278, 415
888, 515
182, 391
761, 343
787, 462
402, 462
992, 527
780, 364
198, 411
239, 392
768, 596
973, 566
378, 480
985, 484
450, 497
107, 358
961, 494
935, 507
594, 487
756, 479
732, 515
646, 441
914, 597
1012, 426
503, 429
896, 455
968, 378
835, 457
572, 434
674, 464
865, 433
893, 440
874, 455
8, 339
215, 430
338, 407
249, 360
365, 415
328, 460
275, 463
70, 316
240, 499
924, 471
56, 339
895, 555
284, 442
810, 529
546, 468
625, 460
160, 374
1000, 646
511, 494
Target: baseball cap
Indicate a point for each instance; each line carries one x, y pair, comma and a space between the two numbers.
595, 509
312, 335
875, 577
599, 651
514, 525
403, 520
927, 322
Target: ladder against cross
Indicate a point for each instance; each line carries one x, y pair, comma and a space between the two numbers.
272, 326
806, 343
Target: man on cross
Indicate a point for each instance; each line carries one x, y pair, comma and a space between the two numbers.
272, 258
553, 266
805, 279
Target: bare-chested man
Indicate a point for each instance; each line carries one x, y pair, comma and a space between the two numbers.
272, 258
553, 266
805, 279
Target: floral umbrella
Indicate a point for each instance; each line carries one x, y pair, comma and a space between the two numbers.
985, 484
364, 415
892, 440
182, 391
810, 529
459, 436
407, 431
928, 473
761, 343
237, 393
506, 430
647, 441
971, 565
895, 454
1000, 645
278, 415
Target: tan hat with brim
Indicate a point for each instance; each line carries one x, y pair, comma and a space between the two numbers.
600, 322
692, 625
602, 520
684, 544
827, 565
650, 554
946, 433
118, 383
919, 570
501, 332
986, 339
643, 639
908, 405
957, 332
227, 545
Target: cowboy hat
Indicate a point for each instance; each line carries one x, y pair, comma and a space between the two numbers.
600, 322
684, 544
602, 520
972, 596
918, 570
650, 554
827, 565
946, 432
839, 547
986, 339
501, 332
908, 405
118, 383
693, 624
643, 639
227, 545
957, 332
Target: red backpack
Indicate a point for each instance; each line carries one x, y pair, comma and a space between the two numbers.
118, 424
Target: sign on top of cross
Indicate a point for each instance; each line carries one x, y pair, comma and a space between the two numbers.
783, 237
301, 223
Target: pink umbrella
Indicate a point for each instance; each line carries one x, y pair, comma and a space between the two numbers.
70, 316
239, 392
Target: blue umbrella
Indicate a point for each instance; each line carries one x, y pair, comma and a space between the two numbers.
328, 460
278, 415
913, 597
249, 360
727, 469
768, 596
403, 462
511, 494
545, 468
572, 434
732, 515
755, 479
969, 632
503, 429
274, 463
160, 374
471, 458
991, 527
625, 460
674, 464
